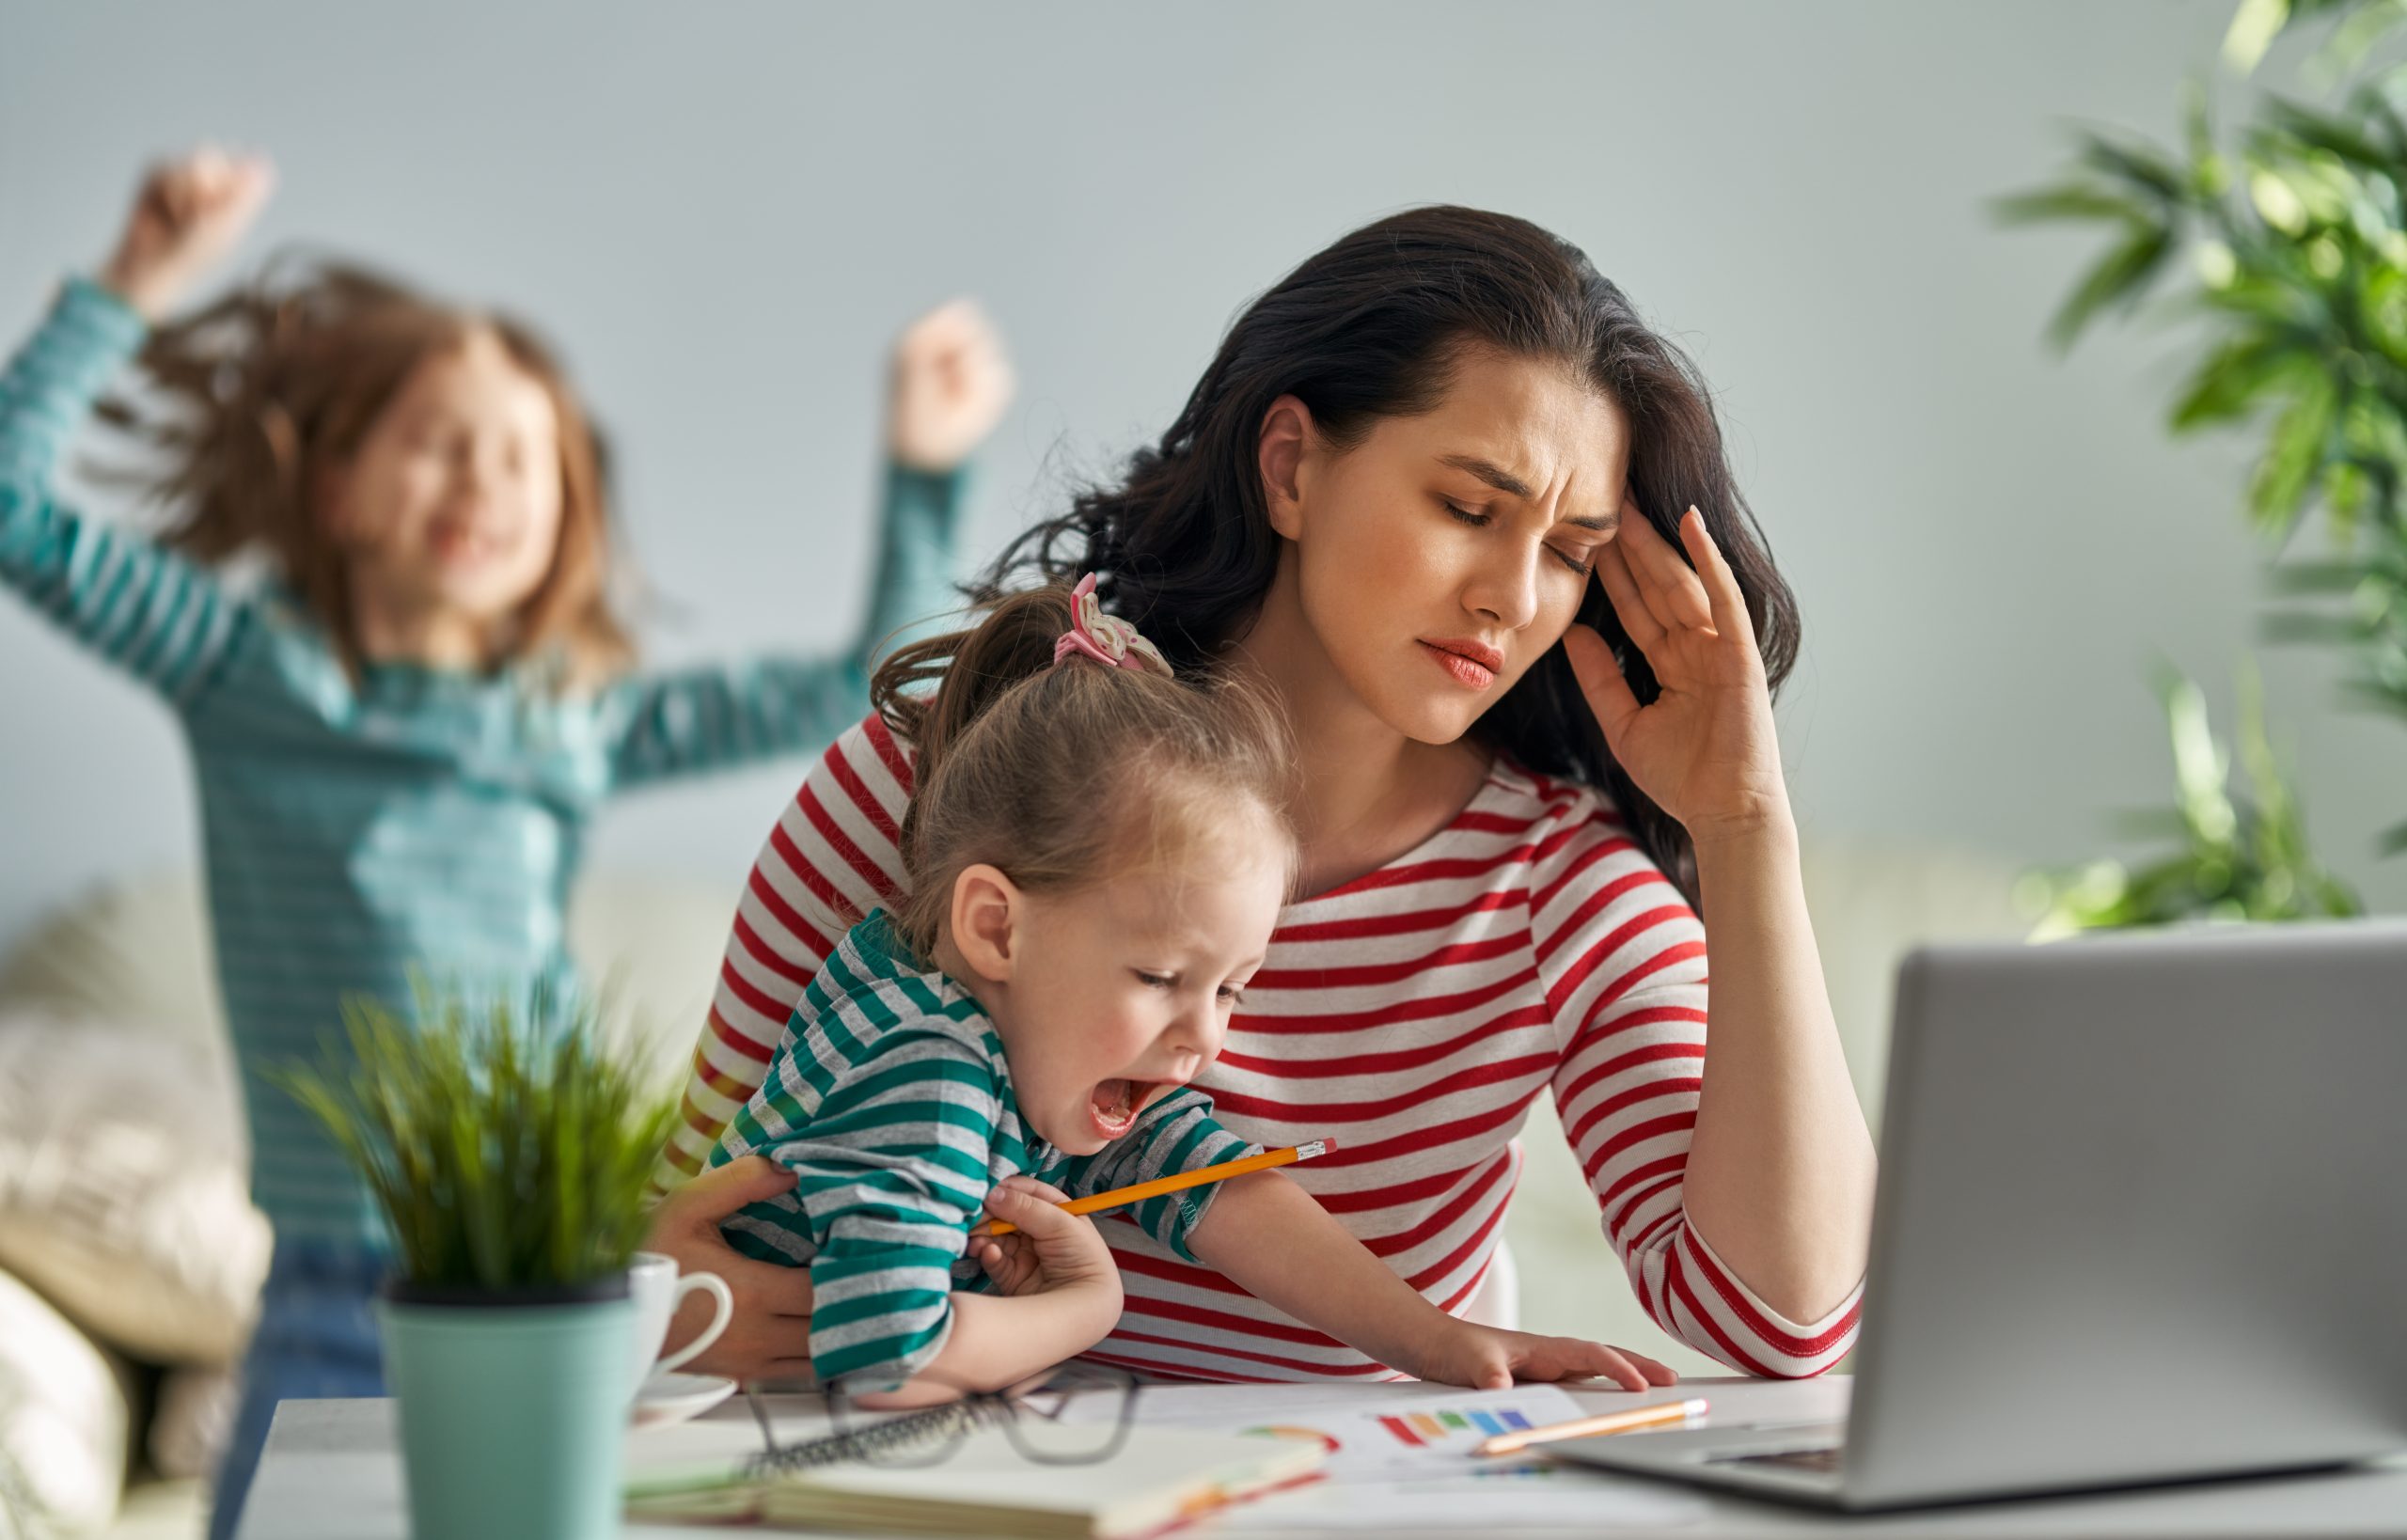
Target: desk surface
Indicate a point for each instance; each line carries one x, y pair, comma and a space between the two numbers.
331, 1472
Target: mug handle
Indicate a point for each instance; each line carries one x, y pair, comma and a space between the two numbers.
715, 1287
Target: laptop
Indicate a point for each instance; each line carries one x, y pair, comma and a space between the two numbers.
2142, 1217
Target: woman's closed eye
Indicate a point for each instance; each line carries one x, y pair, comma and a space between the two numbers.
1581, 561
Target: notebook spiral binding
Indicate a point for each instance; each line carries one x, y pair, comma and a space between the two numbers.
889, 1436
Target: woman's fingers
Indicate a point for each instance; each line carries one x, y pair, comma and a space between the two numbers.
708, 1197
1722, 591
771, 1321
772, 1317
1599, 674
1671, 589
1621, 589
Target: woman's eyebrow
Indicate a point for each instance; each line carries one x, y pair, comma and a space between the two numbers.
1490, 472
1506, 481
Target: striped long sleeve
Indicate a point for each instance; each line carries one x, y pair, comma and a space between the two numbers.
888, 1100
1622, 959
889, 1161
695, 720
162, 618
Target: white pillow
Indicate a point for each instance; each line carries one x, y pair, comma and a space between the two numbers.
193, 1420
134, 953
124, 1190
62, 1421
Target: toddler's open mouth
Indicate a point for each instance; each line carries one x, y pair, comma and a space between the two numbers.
1112, 1105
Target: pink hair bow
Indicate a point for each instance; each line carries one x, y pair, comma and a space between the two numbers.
1107, 638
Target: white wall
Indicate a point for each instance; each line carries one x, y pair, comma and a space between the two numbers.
723, 211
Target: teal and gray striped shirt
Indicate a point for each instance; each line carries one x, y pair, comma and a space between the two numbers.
890, 1101
409, 823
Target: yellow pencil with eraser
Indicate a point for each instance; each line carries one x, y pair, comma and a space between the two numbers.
1664, 1414
1122, 1197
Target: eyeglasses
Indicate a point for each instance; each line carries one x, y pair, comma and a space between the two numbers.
1080, 1414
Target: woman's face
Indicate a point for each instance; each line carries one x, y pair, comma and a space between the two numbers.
1439, 558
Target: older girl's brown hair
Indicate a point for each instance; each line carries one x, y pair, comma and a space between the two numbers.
255, 398
1062, 775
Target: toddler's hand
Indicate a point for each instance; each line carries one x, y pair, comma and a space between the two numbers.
1050, 1250
1486, 1359
188, 216
952, 383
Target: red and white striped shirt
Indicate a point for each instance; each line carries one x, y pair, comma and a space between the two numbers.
1412, 1015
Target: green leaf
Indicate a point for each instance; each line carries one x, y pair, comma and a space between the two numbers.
2291, 627
2229, 383
503, 1147
2253, 27
2135, 162
2120, 276
2068, 201
2305, 126
2286, 473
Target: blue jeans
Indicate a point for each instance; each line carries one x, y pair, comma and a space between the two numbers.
315, 1338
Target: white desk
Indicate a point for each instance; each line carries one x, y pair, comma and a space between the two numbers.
331, 1472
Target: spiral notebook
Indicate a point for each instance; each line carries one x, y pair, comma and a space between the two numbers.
1160, 1478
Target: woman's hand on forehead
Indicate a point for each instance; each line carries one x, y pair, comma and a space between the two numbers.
1705, 749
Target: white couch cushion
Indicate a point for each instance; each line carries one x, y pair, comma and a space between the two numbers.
122, 1189
62, 1421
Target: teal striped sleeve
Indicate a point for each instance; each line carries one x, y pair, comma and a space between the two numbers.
715, 717
708, 719
891, 1169
163, 619
1175, 1133
918, 533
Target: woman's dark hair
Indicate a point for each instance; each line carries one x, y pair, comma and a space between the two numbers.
1370, 328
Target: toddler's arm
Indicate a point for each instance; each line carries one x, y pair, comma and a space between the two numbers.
1268, 1234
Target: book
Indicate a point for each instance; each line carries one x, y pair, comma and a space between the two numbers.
1160, 1478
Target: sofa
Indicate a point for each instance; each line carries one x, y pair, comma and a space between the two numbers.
128, 1253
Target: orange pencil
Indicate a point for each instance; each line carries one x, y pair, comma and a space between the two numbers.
1122, 1197
1589, 1427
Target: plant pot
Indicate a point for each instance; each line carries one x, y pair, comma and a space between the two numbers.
513, 1407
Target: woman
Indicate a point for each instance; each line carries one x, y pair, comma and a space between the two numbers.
1434, 493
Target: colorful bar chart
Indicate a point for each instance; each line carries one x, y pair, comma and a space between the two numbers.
1423, 1430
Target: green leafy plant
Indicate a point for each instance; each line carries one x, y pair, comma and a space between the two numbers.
2295, 231
507, 1149
2242, 857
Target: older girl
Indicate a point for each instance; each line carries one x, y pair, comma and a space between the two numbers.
402, 739
1449, 498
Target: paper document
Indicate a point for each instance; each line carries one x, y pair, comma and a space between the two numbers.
1400, 1457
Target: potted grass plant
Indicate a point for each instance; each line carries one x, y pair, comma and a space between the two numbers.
508, 1153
